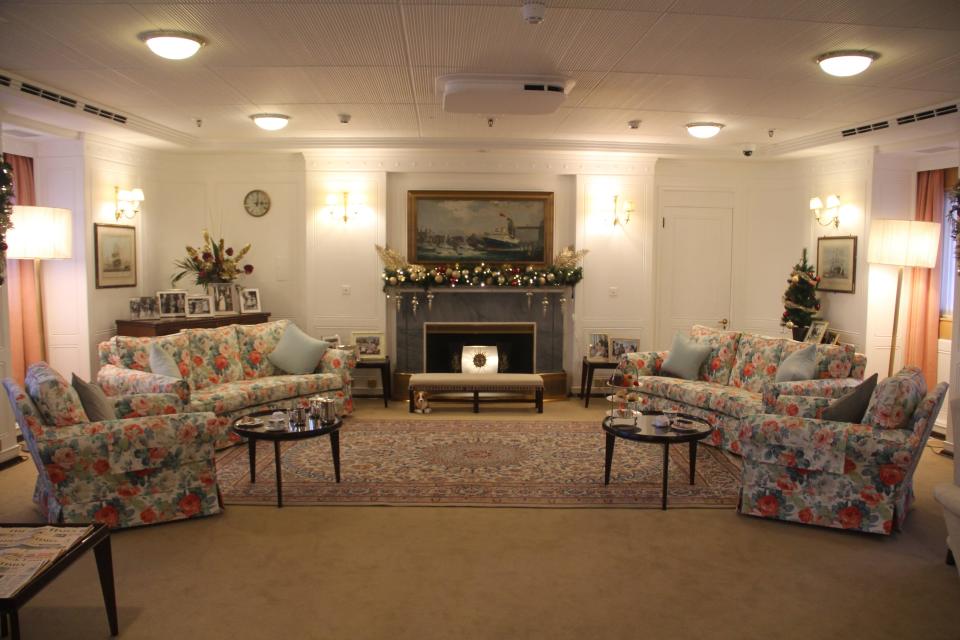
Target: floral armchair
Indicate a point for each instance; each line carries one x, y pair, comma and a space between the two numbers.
801, 468
152, 464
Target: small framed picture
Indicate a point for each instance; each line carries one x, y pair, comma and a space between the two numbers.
599, 347
370, 346
224, 299
115, 255
832, 337
199, 306
172, 303
621, 346
249, 300
816, 332
149, 308
333, 341
134, 308
837, 263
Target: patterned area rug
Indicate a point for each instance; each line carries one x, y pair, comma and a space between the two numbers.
521, 464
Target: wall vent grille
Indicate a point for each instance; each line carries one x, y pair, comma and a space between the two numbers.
4, 81
46, 94
103, 113
867, 128
926, 115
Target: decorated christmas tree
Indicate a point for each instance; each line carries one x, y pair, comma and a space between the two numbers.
800, 302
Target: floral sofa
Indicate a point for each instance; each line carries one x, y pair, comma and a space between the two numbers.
152, 464
836, 474
224, 370
737, 380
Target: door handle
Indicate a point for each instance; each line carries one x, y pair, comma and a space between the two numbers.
724, 323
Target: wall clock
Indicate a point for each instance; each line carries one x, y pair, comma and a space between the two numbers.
257, 203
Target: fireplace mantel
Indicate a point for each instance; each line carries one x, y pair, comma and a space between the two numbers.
545, 307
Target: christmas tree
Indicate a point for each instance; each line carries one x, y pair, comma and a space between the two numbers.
800, 302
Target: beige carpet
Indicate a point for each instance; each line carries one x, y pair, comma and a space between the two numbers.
383, 572
477, 463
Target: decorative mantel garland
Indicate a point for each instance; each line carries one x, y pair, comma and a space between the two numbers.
565, 271
6, 210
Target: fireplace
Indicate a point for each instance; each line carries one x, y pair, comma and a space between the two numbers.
515, 344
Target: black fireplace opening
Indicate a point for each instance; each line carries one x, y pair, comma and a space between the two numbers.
514, 350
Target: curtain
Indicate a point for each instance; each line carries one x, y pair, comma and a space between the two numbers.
26, 346
923, 323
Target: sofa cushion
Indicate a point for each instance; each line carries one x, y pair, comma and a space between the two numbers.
132, 353
756, 362
296, 352
685, 357
703, 395
895, 399
256, 342
215, 356
852, 406
57, 401
94, 400
242, 394
799, 365
833, 360
723, 350
163, 363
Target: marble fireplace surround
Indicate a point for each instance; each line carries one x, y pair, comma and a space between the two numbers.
545, 308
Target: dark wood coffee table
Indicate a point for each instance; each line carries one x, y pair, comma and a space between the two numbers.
99, 541
312, 429
644, 431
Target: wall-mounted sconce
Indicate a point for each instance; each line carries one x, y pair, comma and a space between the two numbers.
621, 211
128, 202
338, 206
829, 215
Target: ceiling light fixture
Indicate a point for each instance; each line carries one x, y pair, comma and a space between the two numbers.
704, 129
270, 121
172, 45
846, 63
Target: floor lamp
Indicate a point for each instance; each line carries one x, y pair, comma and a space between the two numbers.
902, 243
40, 233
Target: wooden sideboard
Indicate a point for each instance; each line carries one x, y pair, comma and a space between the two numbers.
166, 326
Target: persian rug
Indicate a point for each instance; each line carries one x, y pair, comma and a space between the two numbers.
471, 463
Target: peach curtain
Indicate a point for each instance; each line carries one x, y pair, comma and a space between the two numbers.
923, 324
26, 346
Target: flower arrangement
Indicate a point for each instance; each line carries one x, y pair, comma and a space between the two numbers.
565, 271
212, 263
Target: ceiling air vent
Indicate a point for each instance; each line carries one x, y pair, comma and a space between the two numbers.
46, 94
4, 81
103, 113
867, 128
926, 115
492, 94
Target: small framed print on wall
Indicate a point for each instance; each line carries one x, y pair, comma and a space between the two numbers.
837, 263
115, 255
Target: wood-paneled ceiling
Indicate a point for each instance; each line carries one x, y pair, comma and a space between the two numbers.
746, 63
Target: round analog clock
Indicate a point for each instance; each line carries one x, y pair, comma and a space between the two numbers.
257, 203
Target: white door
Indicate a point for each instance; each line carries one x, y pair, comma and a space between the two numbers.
693, 269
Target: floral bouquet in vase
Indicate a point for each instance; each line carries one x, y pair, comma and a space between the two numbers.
212, 263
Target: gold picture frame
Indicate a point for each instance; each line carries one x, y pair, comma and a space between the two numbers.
495, 227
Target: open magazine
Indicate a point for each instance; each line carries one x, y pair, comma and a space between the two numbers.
26, 551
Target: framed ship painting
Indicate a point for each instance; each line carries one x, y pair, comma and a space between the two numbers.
115, 255
499, 227
837, 263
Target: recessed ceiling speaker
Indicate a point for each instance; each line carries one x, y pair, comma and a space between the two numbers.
534, 11
503, 94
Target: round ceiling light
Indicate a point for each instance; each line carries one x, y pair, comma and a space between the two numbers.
704, 129
270, 121
846, 63
172, 45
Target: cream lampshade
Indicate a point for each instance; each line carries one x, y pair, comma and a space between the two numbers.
902, 243
40, 233
479, 359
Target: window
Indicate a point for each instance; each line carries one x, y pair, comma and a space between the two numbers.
948, 265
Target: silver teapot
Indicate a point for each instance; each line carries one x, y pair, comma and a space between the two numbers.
323, 409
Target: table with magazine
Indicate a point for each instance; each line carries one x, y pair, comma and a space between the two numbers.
32, 555
627, 421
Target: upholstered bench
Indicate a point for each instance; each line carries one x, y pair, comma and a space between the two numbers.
476, 383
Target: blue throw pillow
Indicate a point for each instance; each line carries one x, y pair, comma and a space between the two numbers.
685, 358
799, 365
296, 352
